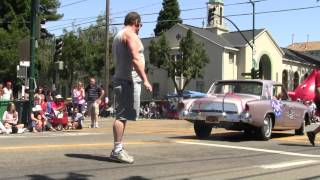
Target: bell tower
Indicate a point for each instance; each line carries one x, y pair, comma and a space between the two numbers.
215, 22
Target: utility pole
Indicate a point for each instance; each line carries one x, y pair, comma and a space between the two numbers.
254, 63
34, 14
106, 67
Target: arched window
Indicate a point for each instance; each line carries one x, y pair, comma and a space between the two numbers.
285, 78
296, 80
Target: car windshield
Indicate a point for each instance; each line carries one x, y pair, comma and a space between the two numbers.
253, 88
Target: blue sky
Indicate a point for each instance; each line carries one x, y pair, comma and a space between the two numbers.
281, 25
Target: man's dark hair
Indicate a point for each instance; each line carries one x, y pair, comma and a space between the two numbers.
131, 18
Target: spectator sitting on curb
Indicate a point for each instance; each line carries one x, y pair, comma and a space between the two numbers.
39, 121
58, 106
77, 119
3, 129
10, 119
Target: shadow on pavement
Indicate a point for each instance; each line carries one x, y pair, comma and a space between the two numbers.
135, 178
71, 176
295, 145
91, 157
233, 136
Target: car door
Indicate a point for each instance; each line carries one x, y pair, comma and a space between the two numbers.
282, 108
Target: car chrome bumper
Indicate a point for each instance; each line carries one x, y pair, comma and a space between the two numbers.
217, 117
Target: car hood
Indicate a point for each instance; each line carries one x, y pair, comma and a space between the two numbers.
232, 103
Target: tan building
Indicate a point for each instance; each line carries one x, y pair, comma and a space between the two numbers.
230, 55
311, 48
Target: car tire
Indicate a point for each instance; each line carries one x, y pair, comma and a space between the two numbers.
202, 129
59, 127
301, 130
265, 131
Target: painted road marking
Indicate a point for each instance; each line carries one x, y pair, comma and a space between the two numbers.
250, 149
76, 146
48, 135
288, 164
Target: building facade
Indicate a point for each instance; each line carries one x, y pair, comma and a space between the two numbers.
230, 56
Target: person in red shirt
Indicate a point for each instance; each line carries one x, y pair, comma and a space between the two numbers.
58, 106
312, 134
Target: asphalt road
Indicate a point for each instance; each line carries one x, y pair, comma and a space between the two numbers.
163, 149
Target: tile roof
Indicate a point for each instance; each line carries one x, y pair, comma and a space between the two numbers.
305, 46
300, 57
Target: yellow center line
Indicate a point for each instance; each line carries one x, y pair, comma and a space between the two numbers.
76, 146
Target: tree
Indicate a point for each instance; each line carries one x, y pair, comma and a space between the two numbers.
73, 56
168, 16
15, 26
190, 65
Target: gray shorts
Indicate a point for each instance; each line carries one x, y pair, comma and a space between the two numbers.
127, 97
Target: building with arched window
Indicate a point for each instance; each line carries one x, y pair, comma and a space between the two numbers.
231, 55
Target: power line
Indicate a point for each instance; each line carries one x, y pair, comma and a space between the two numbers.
142, 7
149, 14
192, 9
74, 3
275, 11
233, 15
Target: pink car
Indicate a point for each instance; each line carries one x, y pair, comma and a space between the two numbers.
254, 106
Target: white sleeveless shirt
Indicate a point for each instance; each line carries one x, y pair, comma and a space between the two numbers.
122, 58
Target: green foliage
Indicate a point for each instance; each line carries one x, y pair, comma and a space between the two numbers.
193, 58
72, 55
15, 18
168, 16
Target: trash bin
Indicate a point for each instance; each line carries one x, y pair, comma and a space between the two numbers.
22, 106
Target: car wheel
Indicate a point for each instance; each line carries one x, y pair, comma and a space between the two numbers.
59, 127
202, 129
266, 130
301, 130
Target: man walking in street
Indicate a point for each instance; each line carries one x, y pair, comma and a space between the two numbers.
94, 95
129, 75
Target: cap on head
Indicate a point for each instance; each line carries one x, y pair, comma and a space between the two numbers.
58, 96
37, 108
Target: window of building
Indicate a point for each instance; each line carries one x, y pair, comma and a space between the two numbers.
200, 86
231, 58
155, 90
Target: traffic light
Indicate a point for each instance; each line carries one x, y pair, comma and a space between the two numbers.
256, 74
58, 49
43, 32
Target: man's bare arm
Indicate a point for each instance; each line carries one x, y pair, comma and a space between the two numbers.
134, 46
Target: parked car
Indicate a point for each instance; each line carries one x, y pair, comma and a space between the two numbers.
254, 106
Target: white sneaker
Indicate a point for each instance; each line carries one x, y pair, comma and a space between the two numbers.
9, 131
121, 156
22, 130
96, 125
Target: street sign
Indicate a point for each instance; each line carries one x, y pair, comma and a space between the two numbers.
24, 49
22, 72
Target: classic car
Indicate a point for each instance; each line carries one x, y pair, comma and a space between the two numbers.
254, 106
